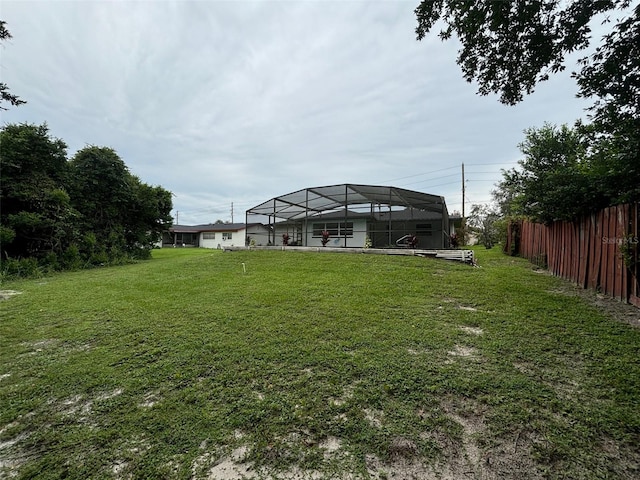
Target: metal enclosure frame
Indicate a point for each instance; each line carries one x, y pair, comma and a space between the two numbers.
344, 202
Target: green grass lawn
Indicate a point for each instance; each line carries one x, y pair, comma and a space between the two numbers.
314, 365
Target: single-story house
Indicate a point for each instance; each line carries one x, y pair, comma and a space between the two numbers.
212, 235
353, 215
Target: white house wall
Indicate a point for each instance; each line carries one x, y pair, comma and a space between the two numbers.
237, 239
306, 237
357, 241
259, 235
303, 234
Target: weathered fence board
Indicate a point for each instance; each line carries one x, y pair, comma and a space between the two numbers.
599, 251
634, 282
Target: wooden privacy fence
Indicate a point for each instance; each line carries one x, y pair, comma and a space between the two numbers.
599, 251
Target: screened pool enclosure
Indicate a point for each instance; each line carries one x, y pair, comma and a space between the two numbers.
353, 216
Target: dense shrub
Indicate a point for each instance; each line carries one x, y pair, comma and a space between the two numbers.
67, 214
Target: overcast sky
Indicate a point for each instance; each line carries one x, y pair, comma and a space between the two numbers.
223, 102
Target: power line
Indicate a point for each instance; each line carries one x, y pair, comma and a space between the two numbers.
433, 179
429, 186
418, 174
451, 168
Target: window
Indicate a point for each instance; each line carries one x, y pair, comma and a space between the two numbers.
335, 229
424, 229
332, 228
317, 229
226, 235
346, 229
187, 238
209, 236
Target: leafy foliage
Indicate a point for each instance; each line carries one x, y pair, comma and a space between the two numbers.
36, 216
508, 47
115, 205
612, 76
566, 173
5, 96
66, 214
483, 219
325, 238
552, 183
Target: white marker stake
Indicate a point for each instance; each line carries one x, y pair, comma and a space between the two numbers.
244, 268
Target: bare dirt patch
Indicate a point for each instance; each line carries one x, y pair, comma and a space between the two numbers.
566, 386
7, 294
399, 469
422, 351
472, 330
467, 456
462, 351
235, 466
401, 447
374, 417
107, 395
347, 394
232, 467
524, 368
39, 346
11, 459
467, 308
118, 468
619, 311
477, 455
80, 407
149, 399
330, 445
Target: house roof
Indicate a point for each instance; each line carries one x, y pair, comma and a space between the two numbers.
380, 216
209, 227
317, 200
407, 214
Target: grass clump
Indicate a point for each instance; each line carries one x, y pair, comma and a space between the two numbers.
324, 365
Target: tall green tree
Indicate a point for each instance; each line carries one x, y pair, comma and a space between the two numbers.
149, 215
36, 217
67, 214
121, 216
101, 188
554, 180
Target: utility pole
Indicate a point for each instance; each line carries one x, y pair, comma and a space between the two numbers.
463, 222
231, 212
177, 217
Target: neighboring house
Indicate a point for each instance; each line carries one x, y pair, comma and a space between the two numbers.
354, 216
213, 235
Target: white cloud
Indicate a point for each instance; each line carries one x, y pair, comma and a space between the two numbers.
225, 102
